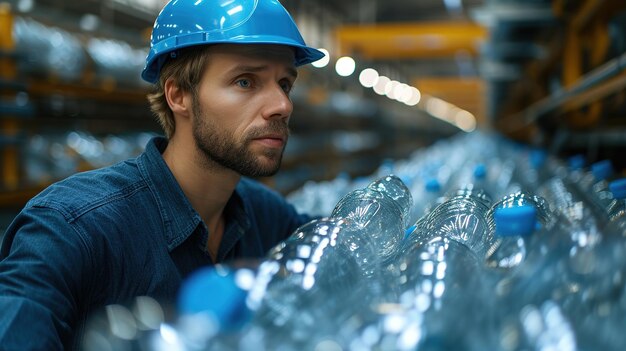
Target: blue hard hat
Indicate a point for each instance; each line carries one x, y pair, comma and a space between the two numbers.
184, 23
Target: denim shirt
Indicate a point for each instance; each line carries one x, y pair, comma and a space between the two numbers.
109, 235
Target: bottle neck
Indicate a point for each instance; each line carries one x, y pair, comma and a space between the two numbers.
617, 210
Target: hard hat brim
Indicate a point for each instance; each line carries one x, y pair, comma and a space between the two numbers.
303, 54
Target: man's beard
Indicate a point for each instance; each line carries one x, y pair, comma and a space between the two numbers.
222, 148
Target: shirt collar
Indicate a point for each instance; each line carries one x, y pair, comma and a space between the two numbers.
180, 220
179, 217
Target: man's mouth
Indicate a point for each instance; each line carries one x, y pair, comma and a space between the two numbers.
272, 140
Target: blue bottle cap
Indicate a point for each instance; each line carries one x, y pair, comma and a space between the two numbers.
602, 170
432, 185
387, 165
538, 158
409, 230
618, 188
480, 171
406, 179
215, 292
361, 179
576, 162
343, 175
515, 221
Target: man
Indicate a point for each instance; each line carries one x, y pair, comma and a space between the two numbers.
223, 71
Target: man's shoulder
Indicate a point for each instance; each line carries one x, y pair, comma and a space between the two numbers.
84, 191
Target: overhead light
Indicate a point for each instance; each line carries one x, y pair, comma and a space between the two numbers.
390, 89
406, 94
415, 98
381, 85
345, 66
465, 120
89, 22
323, 62
437, 107
401, 91
25, 5
453, 6
368, 77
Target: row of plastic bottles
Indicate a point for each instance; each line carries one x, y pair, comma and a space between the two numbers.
50, 50
504, 250
50, 157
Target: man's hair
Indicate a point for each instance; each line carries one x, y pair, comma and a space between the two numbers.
186, 69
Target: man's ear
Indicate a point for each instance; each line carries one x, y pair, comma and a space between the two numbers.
177, 99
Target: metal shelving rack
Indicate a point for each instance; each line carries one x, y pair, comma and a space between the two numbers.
39, 102
589, 101
9, 153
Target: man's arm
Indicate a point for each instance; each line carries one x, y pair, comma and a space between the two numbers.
43, 262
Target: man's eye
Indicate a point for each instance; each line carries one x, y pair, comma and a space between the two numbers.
244, 83
287, 86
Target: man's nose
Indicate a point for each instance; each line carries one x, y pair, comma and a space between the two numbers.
278, 104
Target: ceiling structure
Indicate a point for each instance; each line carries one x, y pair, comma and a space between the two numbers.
466, 52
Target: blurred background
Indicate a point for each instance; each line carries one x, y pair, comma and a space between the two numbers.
400, 75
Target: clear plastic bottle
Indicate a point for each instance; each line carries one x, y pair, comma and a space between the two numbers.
572, 263
513, 227
492, 178
530, 326
134, 326
331, 267
617, 208
442, 304
594, 186
317, 277
324, 273
463, 218
574, 212
544, 165
439, 278
589, 281
575, 170
515, 217
319, 198
480, 179
212, 312
600, 171
381, 210
217, 311
533, 168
